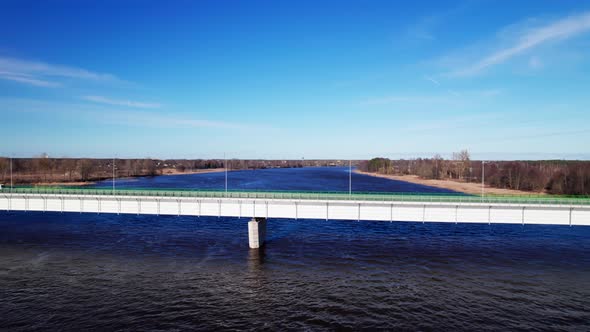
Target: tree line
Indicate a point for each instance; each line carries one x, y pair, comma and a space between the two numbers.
550, 176
59, 170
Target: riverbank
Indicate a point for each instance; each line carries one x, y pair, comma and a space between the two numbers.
174, 171
463, 187
68, 184
165, 171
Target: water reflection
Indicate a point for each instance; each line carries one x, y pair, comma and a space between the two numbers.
108, 272
256, 259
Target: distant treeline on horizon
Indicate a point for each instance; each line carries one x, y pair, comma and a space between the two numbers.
536, 176
561, 177
44, 169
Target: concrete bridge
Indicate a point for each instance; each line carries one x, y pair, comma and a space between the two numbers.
260, 206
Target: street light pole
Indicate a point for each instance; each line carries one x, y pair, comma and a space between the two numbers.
113, 176
350, 177
225, 166
483, 174
11, 174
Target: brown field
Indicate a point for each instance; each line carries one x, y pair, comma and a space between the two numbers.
174, 171
464, 187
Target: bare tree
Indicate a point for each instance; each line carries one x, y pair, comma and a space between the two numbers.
150, 166
4, 167
85, 167
69, 166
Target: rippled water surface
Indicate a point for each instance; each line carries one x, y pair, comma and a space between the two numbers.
117, 272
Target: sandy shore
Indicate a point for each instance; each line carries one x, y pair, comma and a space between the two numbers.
165, 171
464, 187
174, 171
74, 183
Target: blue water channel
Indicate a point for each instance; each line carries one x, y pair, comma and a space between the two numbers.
125, 272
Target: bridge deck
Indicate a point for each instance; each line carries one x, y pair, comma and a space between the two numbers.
304, 205
327, 196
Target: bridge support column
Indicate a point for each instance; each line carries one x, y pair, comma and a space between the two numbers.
256, 232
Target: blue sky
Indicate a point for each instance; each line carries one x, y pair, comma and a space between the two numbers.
293, 79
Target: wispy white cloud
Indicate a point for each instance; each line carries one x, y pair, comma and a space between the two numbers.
116, 102
448, 97
540, 135
116, 116
361, 80
425, 28
428, 78
454, 93
404, 100
490, 92
27, 79
484, 93
45, 75
435, 126
153, 120
528, 39
535, 62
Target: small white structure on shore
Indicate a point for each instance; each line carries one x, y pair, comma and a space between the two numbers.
0, 186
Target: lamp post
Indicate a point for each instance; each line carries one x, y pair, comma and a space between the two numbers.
350, 177
225, 166
483, 174
11, 174
113, 176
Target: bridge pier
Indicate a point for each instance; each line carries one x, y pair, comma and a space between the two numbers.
256, 232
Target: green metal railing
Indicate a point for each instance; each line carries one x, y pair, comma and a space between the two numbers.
304, 195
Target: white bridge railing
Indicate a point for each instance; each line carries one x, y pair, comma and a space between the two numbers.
382, 207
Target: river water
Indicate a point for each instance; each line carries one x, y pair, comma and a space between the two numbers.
117, 272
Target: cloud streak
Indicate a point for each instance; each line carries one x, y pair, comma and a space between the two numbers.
550, 134
403, 100
27, 79
115, 102
428, 78
562, 29
153, 120
450, 97
424, 29
118, 116
42, 74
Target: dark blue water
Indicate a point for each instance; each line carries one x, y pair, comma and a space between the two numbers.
109, 272
297, 179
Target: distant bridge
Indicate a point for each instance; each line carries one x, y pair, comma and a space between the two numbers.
259, 206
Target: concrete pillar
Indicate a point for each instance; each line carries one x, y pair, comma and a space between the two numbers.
256, 232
